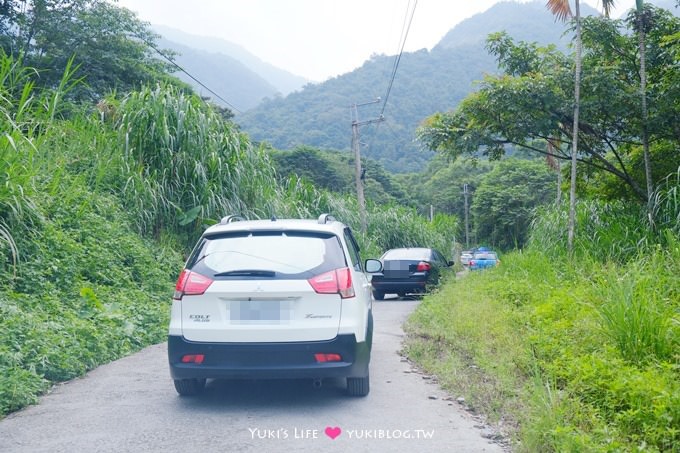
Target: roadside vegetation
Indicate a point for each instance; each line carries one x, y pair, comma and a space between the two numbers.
564, 355
102, 192
573, 346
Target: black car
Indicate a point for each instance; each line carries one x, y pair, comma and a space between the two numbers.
409, 271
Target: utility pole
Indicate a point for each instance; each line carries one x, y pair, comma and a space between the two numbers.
467, 224
357, 157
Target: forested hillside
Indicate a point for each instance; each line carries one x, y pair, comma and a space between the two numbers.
244, 89
284, 81
530, 21
319, 115
426, 81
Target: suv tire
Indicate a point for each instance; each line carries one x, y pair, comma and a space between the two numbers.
189, 387
358, 386
378, 295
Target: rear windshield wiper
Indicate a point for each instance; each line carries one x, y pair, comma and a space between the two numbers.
246, 273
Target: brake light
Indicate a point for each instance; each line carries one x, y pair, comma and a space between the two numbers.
471, 263
345, 287
193, 358
191, 284
336, 281
322, 358
423, 266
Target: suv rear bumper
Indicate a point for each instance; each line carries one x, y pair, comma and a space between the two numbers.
269, 360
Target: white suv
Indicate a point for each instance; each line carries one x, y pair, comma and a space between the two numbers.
273, 299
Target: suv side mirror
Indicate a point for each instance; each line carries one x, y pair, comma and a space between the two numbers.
372, 266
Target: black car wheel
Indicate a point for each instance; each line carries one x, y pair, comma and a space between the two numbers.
189, 387
358, 386
378, 295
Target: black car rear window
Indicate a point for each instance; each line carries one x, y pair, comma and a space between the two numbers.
283, 254
408, 254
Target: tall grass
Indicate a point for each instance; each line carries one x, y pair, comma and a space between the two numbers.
611, 230
83, 289
178, 165
553, 359
173, 159
7, 240
623, 391
636, 318
397, 226
604, 230
17, 209
666, 204
19, 108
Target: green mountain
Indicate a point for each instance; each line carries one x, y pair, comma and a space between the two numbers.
425, 82
230, 79
236, 75
526, 22
287, 111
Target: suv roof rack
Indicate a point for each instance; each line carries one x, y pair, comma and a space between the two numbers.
325, 218
231, 218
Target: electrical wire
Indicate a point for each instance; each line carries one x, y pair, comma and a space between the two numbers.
151, 45
406, 26
404, 35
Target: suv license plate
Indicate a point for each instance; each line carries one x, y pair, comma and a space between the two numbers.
259, 311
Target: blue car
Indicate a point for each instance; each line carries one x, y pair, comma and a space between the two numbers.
482, 259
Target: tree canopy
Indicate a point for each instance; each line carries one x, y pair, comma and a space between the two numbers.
530, 104
505, 199
111, 48
334, 171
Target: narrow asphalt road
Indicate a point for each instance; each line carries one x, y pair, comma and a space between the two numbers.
131, 406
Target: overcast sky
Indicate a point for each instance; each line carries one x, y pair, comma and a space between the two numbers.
318, 39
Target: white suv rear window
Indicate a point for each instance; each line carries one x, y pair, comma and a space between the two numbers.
286, 254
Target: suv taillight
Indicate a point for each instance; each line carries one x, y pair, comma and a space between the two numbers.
191, 284
423, 266
337, 281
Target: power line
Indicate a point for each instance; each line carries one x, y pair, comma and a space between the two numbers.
401, 51
406, 26
150, 44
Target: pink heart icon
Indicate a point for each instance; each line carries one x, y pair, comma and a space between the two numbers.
333, 432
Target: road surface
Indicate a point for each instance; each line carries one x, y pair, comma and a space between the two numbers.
131, 406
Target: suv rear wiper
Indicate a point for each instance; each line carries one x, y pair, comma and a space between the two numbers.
247, 273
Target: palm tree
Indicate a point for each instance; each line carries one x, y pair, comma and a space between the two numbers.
641, 25
562, 10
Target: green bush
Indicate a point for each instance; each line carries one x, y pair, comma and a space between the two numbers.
88, 290
18, 388
636, 407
